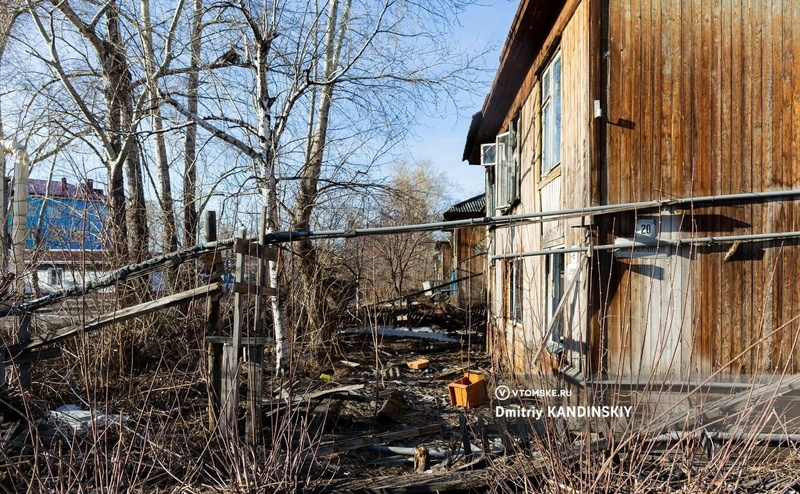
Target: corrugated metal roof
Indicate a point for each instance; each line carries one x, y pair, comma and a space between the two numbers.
474, 207
62, 188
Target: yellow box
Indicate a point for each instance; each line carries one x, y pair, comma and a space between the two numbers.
469, 391
418, 364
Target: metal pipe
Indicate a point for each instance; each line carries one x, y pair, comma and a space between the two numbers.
727, 436
541, 253
197, 251
500, 221
659, 243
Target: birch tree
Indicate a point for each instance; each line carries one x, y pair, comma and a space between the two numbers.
329, 74
152, 73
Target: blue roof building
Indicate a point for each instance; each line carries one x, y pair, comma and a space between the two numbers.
64, 216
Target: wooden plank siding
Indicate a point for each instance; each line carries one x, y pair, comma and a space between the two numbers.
702, 98
470, 257
566, 187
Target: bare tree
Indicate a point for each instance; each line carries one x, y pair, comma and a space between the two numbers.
416, 196
129, 233
151, 69
190, 213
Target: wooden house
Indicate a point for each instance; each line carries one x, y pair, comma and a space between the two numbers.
646, 123
468, 250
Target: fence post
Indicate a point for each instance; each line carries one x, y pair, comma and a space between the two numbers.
214, 267
254, 390
228, 417
24, 336
256, 352
230, 355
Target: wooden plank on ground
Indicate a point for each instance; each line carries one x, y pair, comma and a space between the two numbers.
372, 439
718, 409
319, 394
513, 467
117, 317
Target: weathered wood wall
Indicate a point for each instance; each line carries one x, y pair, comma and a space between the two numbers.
703, 99
566, 186
470, 243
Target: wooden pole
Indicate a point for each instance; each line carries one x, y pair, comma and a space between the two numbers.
229, 393
230, 356
254, 391
214, 350
238, 298
256, 353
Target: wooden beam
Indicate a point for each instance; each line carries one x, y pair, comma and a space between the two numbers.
243, 341
254, 391
230, 356
28, 357
117, 317
724, 407
238, 301
213, 349
250, 248
24, 337
229, 396
251, 289
369, 440
210, 260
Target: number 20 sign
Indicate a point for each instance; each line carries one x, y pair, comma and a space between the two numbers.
646, 228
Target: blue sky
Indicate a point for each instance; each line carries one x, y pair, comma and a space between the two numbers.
441, 140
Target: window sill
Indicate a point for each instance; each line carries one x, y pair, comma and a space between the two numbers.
553, 174
506, 209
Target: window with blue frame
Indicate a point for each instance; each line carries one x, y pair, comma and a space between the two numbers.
453, 288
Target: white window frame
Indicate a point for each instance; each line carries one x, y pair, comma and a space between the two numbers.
500, 171
551, 93
516, 280
554, 290
55, 276
489, 154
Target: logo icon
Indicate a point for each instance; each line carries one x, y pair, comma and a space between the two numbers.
502, 392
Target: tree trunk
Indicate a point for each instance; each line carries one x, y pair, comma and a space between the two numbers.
316, 306
266, 169
138, 238
190, 213
169, 234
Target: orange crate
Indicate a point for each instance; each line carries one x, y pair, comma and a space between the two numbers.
469, 391
419, 364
